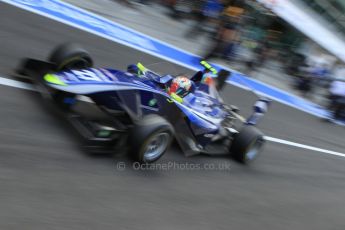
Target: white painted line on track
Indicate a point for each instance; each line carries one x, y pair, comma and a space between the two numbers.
297, 145
16, 84
21, 85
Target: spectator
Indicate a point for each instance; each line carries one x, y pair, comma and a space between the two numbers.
228, 33
206, 10
262, 51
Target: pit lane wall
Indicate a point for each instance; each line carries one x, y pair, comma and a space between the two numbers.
92, 23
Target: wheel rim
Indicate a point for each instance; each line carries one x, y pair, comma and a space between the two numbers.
253, 150
156, 146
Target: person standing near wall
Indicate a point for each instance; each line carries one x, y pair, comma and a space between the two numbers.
204, 11
228, 33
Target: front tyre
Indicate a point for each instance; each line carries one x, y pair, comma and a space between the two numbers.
247, 144
150, 138
70, 56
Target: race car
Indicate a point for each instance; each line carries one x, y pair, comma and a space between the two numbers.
140, 112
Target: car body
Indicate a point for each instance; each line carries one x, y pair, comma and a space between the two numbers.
202, 123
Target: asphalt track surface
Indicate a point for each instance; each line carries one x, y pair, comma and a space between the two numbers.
48, 182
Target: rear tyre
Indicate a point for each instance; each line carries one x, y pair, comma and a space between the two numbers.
247, 144
150, 138
70, 56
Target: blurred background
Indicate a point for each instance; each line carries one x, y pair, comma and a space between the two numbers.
293, 45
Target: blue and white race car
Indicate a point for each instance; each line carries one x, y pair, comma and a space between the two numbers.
142, 111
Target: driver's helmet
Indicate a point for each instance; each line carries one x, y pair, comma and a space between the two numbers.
181, 86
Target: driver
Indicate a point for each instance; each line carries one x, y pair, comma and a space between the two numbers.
181, 86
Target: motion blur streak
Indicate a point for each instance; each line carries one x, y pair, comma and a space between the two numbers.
16, 84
